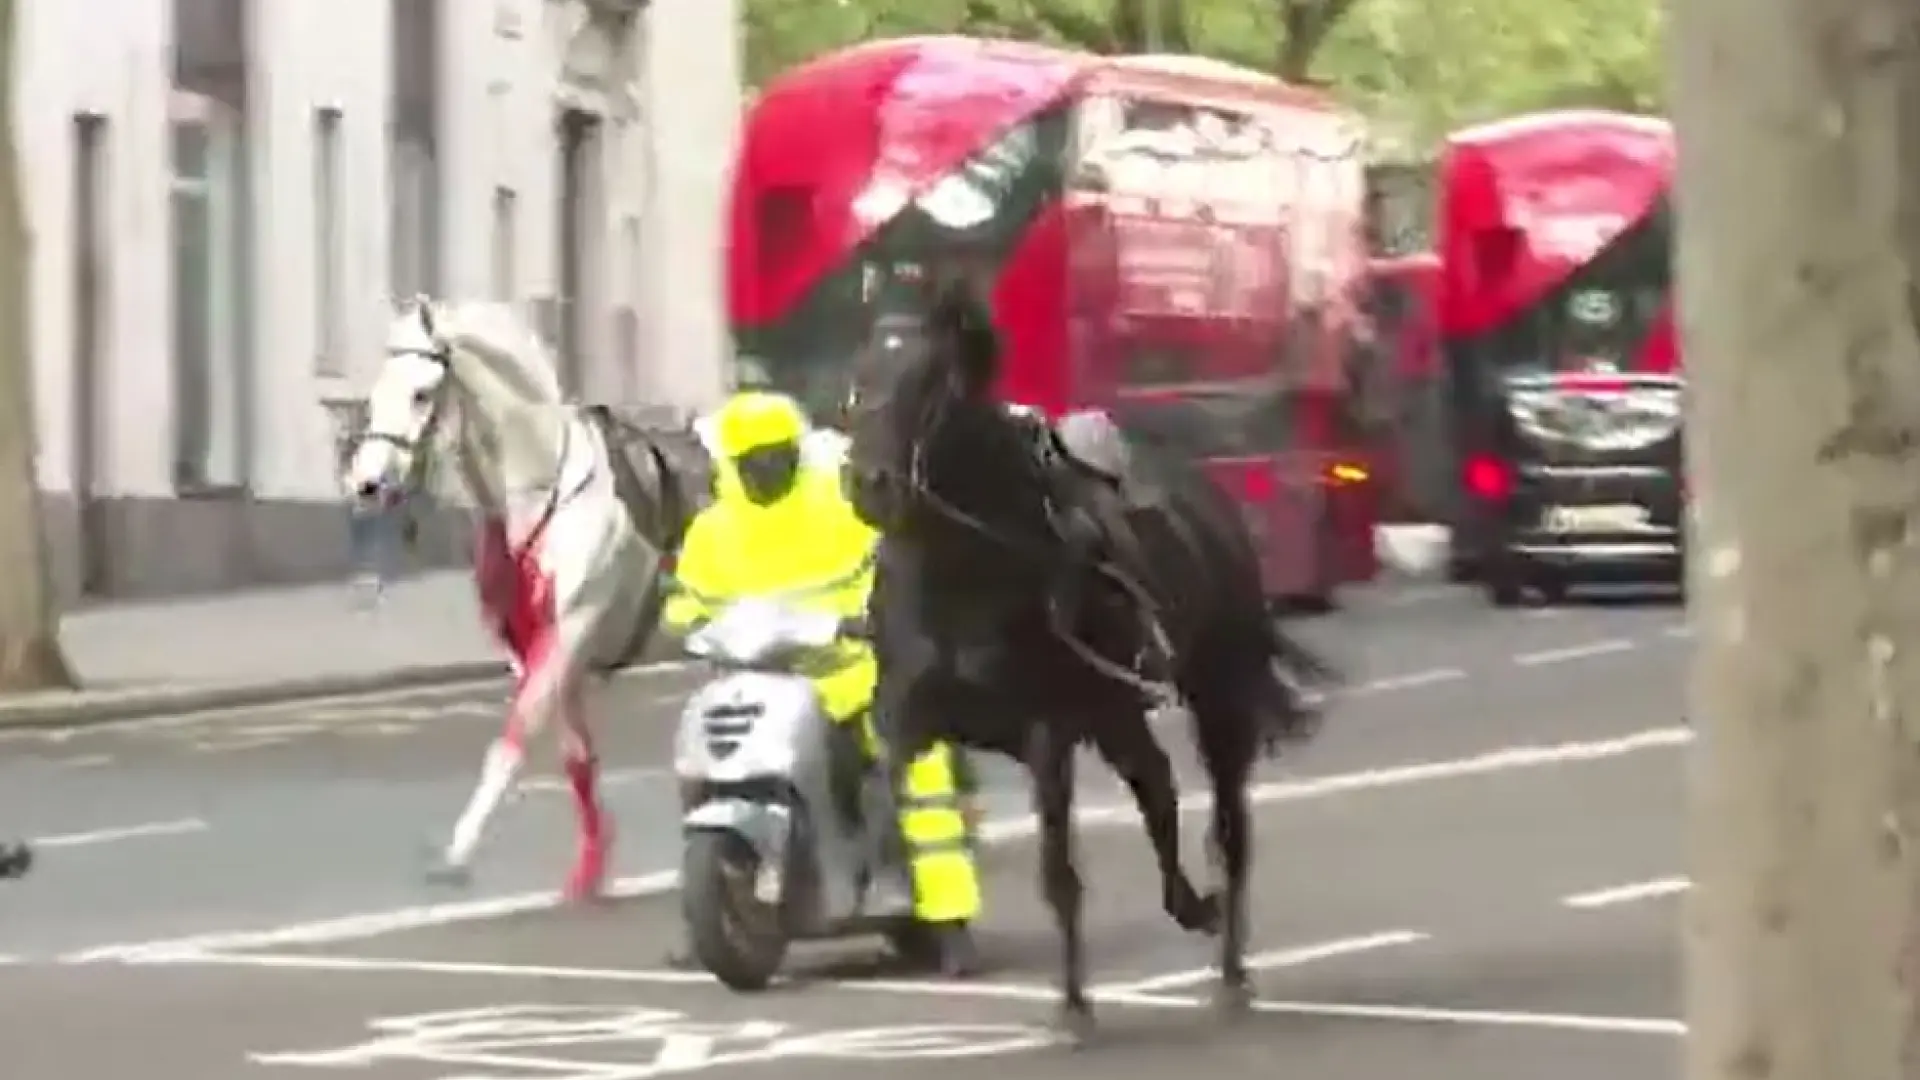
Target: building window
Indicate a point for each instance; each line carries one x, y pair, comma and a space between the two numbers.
210, 293
329, 248
506, 282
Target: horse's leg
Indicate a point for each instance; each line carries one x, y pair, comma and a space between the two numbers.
1133, 753
582, 767
1228, 742
1050, 762
540, 687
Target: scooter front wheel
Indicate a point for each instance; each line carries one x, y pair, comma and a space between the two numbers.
735, 935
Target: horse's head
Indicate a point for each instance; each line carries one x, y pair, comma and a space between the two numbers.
912, 376
404, 405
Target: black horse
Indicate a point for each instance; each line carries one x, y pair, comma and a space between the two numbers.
1000, 625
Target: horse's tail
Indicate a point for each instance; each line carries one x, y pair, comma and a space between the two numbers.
1298, 682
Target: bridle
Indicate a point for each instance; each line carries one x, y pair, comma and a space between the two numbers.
416, 444
928, 418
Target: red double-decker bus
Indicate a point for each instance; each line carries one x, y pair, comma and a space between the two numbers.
1175, 240
1413, 445
1556, 325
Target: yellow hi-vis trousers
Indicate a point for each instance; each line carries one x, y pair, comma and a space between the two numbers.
946, 883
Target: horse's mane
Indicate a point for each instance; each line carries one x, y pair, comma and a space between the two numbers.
501, 334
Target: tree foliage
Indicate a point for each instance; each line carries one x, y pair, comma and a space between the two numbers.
1419, 66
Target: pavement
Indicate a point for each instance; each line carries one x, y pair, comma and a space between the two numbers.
1473, 874
247, 647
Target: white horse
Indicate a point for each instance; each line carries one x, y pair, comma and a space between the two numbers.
564, 576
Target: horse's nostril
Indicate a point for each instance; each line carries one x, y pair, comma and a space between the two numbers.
367, 490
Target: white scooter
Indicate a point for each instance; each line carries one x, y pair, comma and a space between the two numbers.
770, 856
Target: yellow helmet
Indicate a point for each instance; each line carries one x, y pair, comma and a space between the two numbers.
757, 418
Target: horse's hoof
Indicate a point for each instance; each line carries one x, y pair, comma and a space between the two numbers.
1073, 1023
1232, 999
15, 860
1199, 914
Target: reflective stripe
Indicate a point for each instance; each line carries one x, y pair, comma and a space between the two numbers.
946, 887
797, 593
911, 803
952, 845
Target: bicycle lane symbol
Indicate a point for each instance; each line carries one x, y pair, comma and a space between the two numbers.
558, 1042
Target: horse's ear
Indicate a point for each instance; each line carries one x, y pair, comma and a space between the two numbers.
962, 321
425, 309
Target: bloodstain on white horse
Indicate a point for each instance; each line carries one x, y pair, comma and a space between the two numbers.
562, 573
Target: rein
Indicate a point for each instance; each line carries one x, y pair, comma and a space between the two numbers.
918, 484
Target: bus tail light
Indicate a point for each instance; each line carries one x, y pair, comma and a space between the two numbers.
1256, 485
1488, 479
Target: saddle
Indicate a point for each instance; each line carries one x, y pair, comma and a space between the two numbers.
645, 481
1091, 440
659, 496
1098, 522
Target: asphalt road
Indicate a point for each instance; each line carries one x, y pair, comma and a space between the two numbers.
1417, 865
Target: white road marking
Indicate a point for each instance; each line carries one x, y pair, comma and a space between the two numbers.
1586, 651
304, 962
1543, 613
374, 924
392, 729
1412, 681
1006, 991
1627, 894
1275, 958
143, 831
1414, 1014
1681, 632
238, 743
85, 761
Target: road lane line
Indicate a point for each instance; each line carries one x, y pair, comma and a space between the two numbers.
1681, 632
305, 962
1412, 681
1627, 894
1414, 1014
1586, 651
1275, 958
1003, 830
143, 831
